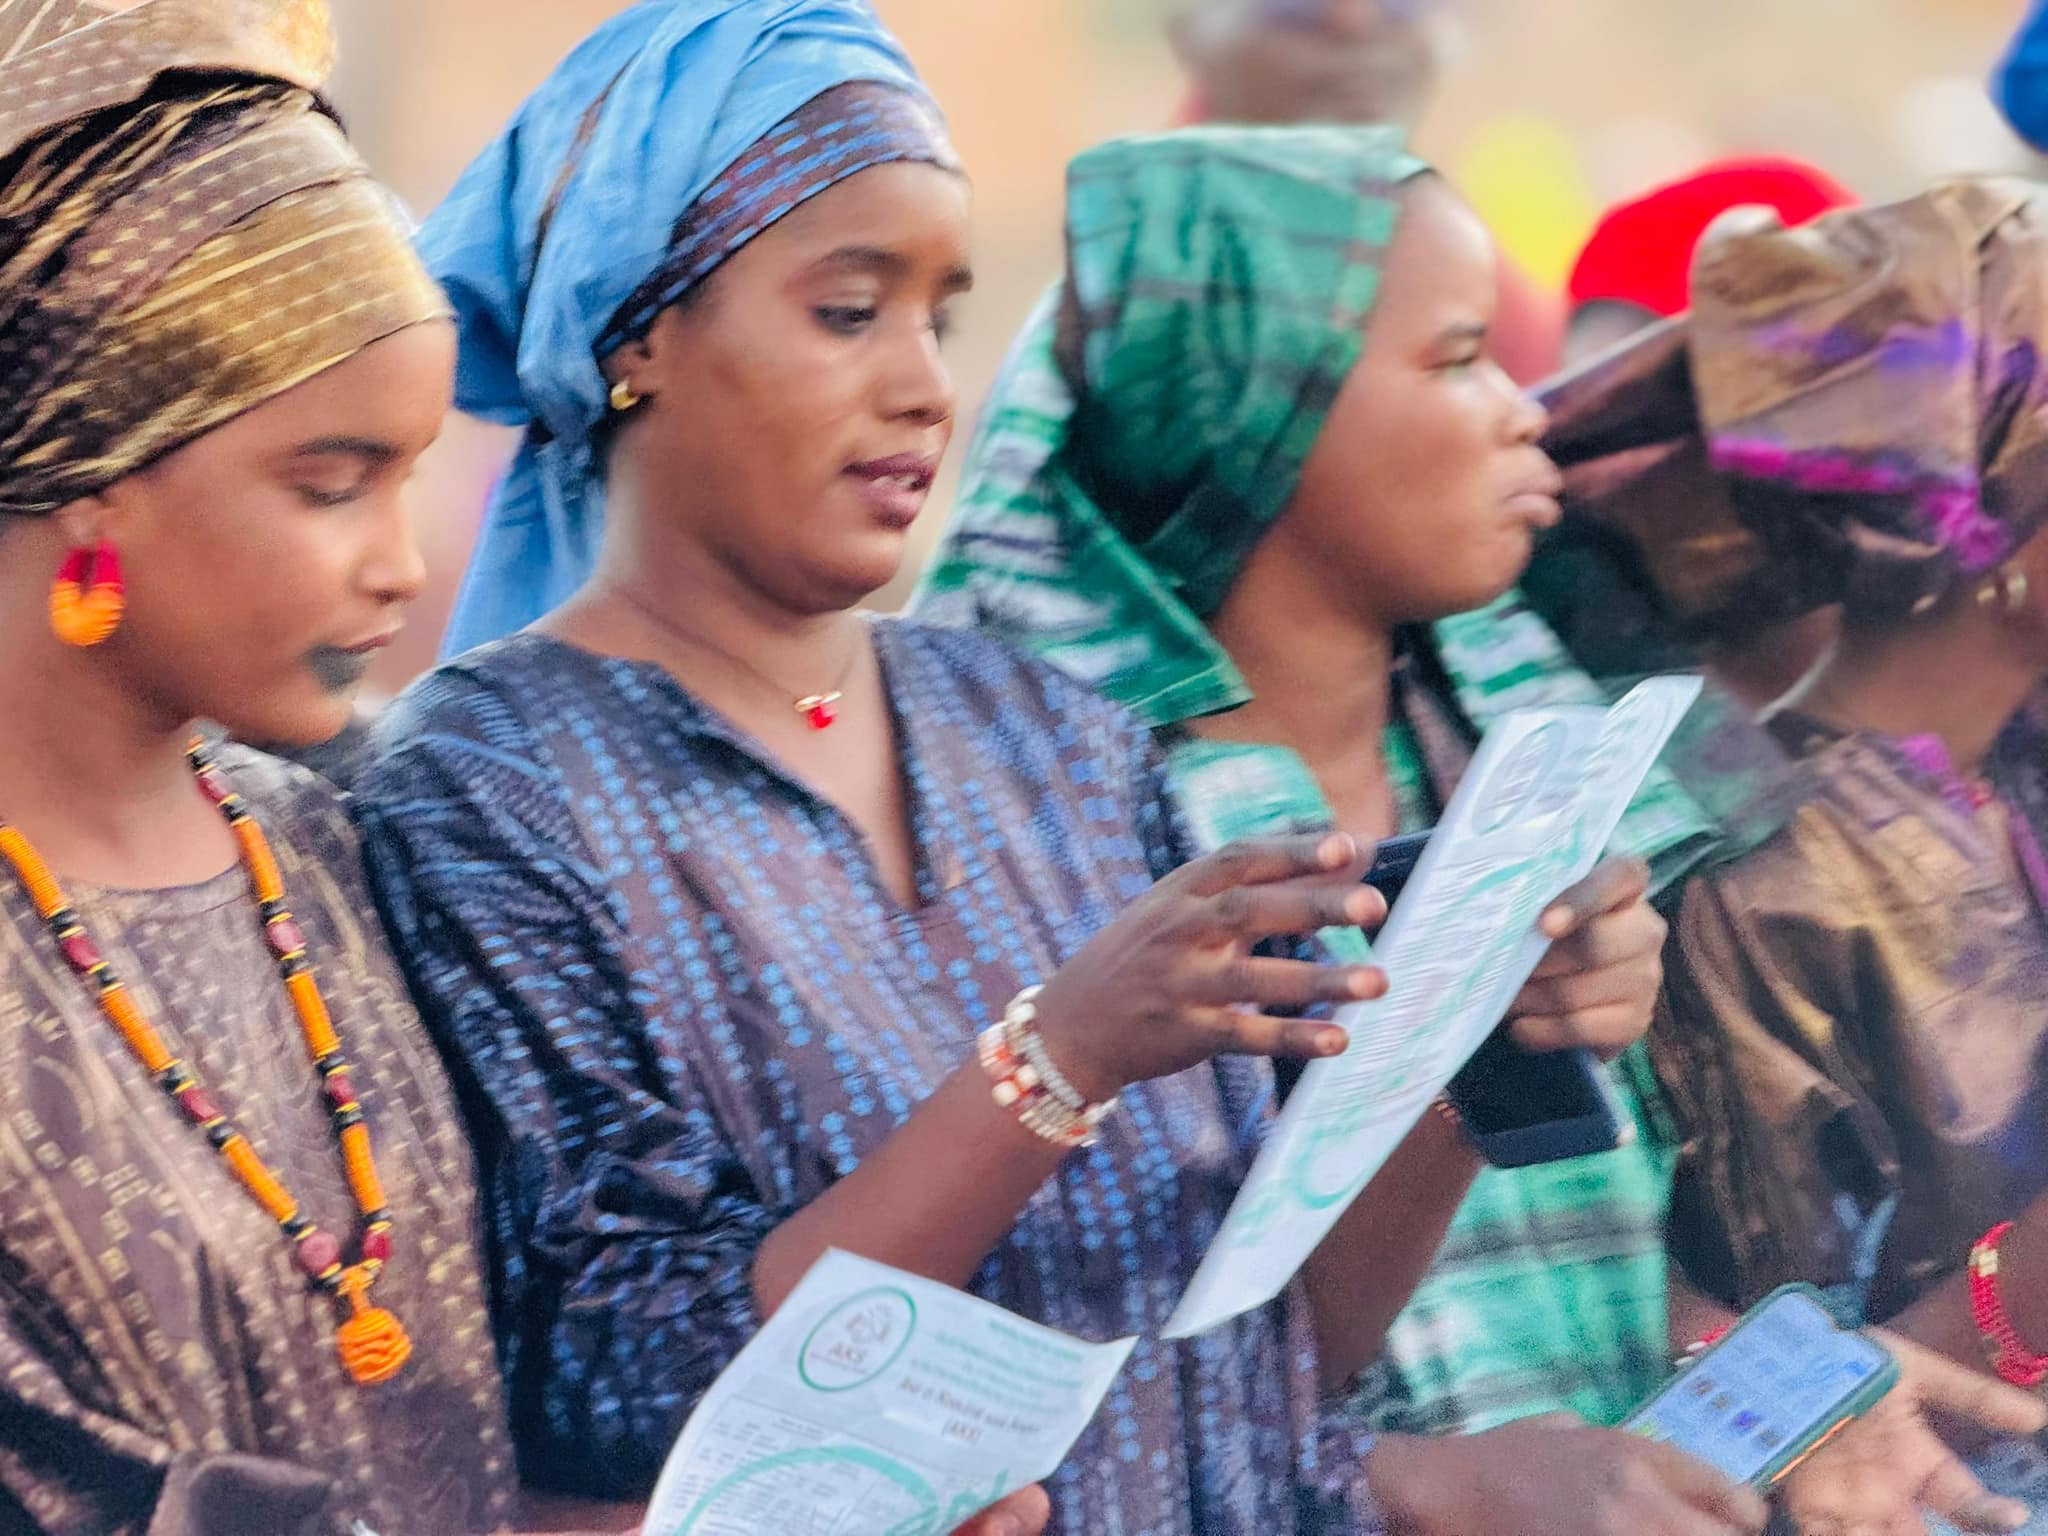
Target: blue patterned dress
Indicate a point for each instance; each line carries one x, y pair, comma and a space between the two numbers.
681, 1003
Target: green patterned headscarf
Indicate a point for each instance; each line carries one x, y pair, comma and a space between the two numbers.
1152, 423
1154, 419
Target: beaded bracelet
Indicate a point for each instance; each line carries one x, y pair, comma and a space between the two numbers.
2010, 1356
1020, 1023
1023, 1079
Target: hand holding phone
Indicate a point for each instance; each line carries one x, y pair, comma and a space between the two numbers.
1782, 1383
1520, 1107
1524, 1107
1892, 1470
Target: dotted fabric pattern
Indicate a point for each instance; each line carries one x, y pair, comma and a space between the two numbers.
682, 1004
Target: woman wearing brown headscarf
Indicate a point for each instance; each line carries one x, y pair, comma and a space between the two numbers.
238, 1277
1857, 413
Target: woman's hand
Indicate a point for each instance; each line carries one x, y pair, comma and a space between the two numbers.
1598, 985
1023, 1513
1553, 1476
1876, 1477
1174, 980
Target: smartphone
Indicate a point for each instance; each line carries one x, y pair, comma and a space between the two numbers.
1520, 1107
1523, 1107
1782, 1383
1393, 861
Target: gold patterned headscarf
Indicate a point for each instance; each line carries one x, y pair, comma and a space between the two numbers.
184, 232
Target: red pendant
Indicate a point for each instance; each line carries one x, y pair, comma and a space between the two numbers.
820, 710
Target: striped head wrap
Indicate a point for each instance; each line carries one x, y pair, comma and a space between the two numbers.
846, 129
184, 232
1152, 421
671, 138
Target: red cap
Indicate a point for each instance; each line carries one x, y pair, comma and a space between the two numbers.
1641, 251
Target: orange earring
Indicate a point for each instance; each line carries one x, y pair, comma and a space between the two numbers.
87, 599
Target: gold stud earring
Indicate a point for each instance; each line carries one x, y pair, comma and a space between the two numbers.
2017, 589
2009, 588
624, 398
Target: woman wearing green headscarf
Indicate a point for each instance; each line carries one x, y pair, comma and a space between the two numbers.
1251, 473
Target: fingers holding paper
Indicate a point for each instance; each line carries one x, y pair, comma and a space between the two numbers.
1598, 985
1178, 979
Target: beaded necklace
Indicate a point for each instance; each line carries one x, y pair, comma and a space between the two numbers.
372, 1343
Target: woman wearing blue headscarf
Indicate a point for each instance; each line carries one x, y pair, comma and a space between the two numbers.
731, 905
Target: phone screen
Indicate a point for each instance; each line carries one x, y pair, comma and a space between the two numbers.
1783, 1377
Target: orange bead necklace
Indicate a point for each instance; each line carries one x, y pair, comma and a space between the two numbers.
372, 1343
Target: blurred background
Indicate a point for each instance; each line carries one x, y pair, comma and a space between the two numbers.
1547, 111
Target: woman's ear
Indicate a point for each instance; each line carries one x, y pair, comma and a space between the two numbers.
629, 364
89, 519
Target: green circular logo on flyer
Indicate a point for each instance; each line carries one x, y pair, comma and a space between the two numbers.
858, 1340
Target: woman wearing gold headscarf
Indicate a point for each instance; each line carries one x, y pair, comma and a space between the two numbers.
238, 1277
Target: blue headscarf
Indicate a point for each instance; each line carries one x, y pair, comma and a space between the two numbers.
563, 236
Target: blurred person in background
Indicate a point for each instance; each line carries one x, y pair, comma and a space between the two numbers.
1635, 266
1857, 413
1285, 533
2020, 84
1307, 61
1345, 61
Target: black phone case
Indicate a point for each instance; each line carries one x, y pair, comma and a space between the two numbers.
1520, 1107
